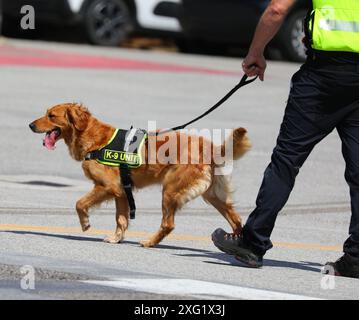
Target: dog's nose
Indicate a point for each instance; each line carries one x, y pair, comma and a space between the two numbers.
32, 127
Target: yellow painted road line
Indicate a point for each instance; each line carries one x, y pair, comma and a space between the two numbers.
144, 234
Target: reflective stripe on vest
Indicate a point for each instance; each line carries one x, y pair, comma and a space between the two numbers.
335, 25
339, 25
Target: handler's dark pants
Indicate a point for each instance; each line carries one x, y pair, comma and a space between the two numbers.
323, 97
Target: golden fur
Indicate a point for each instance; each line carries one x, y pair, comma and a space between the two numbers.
181, 183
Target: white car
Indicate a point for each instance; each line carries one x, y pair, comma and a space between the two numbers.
106, 22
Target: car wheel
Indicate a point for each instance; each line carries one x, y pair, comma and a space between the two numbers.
108, 22
291, 37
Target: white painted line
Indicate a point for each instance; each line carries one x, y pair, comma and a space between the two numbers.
188, 287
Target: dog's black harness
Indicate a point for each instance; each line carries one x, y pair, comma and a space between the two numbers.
124, 151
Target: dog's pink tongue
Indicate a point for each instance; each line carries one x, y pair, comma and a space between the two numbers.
50, 140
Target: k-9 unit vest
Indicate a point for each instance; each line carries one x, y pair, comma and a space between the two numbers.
124, 148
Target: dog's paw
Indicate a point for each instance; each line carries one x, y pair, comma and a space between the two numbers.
146, 243
113, 239
85, 226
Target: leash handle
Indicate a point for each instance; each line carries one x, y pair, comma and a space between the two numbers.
244, 81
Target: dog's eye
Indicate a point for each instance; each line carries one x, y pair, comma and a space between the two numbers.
51, 116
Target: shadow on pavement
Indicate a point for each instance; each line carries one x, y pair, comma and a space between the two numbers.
45, 184
301, 265
231, 261
164, 246
53, 235
91, 239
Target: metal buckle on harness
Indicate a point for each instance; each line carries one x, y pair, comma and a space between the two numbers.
91, 156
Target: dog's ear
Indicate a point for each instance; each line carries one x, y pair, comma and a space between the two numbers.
78, 116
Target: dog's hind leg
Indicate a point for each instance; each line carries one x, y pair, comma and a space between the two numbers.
227, 210
219, 195
97, 195
122, 211
179, 188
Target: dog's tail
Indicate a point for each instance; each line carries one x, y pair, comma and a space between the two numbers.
240, 141
221, 186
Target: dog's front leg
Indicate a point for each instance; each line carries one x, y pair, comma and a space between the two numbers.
97, 195
122, 212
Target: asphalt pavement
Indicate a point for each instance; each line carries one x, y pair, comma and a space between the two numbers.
38, 188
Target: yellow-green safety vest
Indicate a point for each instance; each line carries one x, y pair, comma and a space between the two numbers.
334, 25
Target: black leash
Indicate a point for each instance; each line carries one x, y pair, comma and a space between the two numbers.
244, 81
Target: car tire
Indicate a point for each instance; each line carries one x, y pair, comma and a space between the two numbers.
107, 22
291, 36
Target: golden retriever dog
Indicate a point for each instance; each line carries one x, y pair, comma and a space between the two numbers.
181, 183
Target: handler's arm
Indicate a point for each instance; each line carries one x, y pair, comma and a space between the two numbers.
255, 64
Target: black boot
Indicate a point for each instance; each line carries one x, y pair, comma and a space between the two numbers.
346, 266
233, 244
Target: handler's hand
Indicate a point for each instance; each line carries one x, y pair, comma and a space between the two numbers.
254, 65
